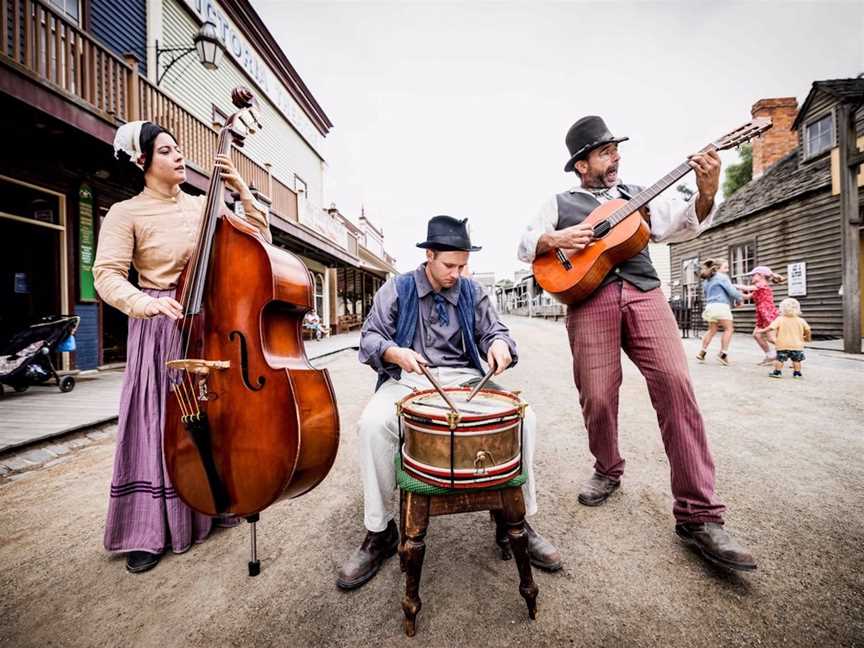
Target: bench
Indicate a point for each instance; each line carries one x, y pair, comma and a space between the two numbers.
348, 322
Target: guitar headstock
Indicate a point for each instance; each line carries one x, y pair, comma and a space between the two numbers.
743, 133
244, 121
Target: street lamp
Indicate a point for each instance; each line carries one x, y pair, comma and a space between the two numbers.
206, 43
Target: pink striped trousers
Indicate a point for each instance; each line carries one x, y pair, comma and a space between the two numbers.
620, 316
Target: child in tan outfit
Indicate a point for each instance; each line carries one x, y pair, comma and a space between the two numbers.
792, 332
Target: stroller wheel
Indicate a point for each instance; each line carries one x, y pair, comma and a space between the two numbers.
67, 384
21, 388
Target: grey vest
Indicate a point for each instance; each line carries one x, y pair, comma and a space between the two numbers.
638, 270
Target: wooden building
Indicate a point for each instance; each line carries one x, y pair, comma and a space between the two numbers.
788, 217
70, 73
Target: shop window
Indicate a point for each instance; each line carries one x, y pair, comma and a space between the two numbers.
742, 259
23, 201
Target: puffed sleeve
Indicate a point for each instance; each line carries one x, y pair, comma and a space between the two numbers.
111, 268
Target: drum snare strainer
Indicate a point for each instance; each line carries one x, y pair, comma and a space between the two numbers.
478, 446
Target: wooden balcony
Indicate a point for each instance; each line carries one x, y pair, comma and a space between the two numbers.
40, 44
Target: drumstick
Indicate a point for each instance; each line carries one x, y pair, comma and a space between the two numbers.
481, 384
435, 384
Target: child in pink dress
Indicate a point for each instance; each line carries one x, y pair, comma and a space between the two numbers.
761, 293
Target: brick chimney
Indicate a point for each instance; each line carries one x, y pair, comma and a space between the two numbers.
781, 139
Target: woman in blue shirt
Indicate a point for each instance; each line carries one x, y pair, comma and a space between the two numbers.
720, 296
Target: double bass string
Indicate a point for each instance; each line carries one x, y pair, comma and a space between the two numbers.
184, 388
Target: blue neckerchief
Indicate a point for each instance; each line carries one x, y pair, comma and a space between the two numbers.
408, 314
441, 308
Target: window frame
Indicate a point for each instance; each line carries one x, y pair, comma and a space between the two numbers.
690, 289
808, 154
316, 277
734, 275
217, 116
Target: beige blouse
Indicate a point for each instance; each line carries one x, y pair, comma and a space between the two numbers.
156, 234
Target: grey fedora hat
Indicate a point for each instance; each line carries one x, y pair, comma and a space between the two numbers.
446, 233
585, 135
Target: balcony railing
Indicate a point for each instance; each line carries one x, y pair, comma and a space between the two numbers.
284, 201
46, 46
39, 42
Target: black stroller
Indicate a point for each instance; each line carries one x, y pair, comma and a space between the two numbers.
25, 359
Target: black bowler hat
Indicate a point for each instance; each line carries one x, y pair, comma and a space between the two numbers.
448, 234
585, 135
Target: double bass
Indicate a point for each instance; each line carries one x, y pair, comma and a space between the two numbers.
248, 420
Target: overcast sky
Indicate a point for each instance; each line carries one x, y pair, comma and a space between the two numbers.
461, 108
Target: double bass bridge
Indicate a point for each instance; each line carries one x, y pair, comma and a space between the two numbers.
192, 384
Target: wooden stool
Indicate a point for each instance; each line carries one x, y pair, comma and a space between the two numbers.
416, 507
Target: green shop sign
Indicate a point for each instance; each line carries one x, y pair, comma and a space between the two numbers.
85, 244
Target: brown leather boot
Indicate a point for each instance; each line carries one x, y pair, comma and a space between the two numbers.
598, 489
716, 545
367, 559
542, 553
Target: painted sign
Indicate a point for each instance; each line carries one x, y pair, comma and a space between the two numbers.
797, 273
257, 70
85, 244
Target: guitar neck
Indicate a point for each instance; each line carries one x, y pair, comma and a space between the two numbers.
645, 196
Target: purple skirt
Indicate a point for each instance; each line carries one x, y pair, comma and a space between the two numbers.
144, 512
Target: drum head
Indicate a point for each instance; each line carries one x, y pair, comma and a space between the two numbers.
487, 404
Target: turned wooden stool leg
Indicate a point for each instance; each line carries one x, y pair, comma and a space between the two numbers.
402, 497
416, 512
501, 534
514, 517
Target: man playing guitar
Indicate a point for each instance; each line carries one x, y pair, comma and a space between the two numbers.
629, 311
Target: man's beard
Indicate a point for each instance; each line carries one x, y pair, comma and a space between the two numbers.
598, 180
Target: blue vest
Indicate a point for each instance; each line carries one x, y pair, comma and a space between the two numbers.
408, 314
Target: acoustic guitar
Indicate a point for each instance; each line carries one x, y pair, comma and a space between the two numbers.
620, 231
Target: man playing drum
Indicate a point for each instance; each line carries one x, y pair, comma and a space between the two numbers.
420, 318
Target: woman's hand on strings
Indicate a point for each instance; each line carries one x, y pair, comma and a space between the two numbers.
232, 177
164, 306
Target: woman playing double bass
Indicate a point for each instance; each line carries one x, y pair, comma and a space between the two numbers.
156, 232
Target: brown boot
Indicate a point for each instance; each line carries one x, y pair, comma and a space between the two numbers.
542, 553
716, 545
367, 559
598, 489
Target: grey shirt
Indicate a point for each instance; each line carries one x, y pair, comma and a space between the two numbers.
442, 345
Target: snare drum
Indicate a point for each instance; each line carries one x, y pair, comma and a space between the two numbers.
478, 447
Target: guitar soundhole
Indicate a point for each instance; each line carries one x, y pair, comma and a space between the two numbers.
601, 229
244, 362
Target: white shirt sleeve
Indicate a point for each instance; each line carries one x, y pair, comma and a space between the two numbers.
546, 220
674, 220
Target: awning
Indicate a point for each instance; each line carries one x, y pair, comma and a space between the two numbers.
310, 243
374, 263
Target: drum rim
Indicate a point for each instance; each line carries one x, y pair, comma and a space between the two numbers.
517, 409
484, 429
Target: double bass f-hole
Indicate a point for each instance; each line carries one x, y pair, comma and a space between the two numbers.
244, 362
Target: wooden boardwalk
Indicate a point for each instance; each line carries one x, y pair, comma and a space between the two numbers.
43, 412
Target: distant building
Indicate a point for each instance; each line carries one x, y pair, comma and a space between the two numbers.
487, 280
788, 217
